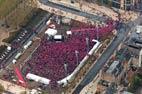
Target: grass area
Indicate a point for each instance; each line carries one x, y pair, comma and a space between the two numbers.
1, 1
36, 18
6, 6
31, 22
15, 12
12, 36
20, 15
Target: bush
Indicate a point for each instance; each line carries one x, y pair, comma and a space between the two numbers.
2, 48
136, 83
2, 89
23, 92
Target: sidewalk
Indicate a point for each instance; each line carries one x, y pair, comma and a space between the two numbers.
89, 8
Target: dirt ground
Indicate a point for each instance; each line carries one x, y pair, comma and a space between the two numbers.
3, 35
15, 89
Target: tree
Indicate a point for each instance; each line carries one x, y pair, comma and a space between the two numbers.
2, 89
136, 83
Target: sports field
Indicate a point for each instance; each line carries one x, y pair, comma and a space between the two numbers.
6, 6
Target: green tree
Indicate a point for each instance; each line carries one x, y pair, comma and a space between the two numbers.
136, 83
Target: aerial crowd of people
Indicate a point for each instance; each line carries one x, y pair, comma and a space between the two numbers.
50, 58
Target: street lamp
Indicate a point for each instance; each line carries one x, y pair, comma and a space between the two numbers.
97, 32
87, 43
65, 67
77, 56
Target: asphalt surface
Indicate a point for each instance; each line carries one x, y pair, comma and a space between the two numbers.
73, 10
122, 33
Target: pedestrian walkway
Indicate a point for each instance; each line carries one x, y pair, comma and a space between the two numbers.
90, 8
91, 88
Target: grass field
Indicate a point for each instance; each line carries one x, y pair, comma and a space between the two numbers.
6, 6
1, 1
19, 15
34, 20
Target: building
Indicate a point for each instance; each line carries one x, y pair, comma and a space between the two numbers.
121, 4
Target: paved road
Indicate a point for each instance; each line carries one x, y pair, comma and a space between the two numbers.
73, 10
105, 56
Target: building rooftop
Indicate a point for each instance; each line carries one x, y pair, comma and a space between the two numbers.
112, 67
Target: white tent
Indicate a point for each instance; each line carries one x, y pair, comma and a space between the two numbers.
18, 55
51, 32
27, 45
48, 22
8, 48
37, 78
58, 37
96, 45
68, 32
14, 61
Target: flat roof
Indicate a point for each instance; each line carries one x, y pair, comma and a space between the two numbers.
112, 66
